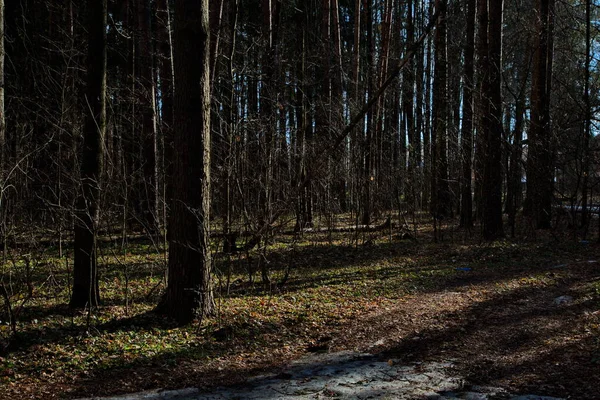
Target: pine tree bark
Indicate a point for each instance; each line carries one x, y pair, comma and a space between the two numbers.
189, 292
85, 271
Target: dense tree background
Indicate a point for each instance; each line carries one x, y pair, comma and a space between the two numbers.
480, 97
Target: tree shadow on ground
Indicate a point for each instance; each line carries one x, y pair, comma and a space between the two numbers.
519, 339
35, 335
516, 338
323, 265
314, 266
482, 361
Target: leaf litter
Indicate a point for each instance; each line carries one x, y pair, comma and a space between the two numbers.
488, 308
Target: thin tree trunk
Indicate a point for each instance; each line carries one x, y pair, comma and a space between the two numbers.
216, 27
166, 95
483, 99
540, 157
368, 146
588, 119
267, 102
303, 215
408, 103
354, 101
514, 191
146, 99
466, 209
442, 204
231, 112
337, 106
2, 118
428, 136
419, 115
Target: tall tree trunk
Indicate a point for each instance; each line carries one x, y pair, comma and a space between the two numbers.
85, 272
428, 135
419, 127
146, 99
323, 106
337, 106
189, 292
268, 94
303, 211
216, 28
466, 209
354, 101
540, 157
514, 195
455, 69
380, 106
165, 58
230, 107
2, 118
442, 203
408, 104
482, 101
492, 175
3, 152
368, 178
588, 118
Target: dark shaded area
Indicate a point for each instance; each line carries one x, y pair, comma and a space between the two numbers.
438, 269
481, 363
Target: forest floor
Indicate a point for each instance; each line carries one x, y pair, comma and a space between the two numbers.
495, 311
